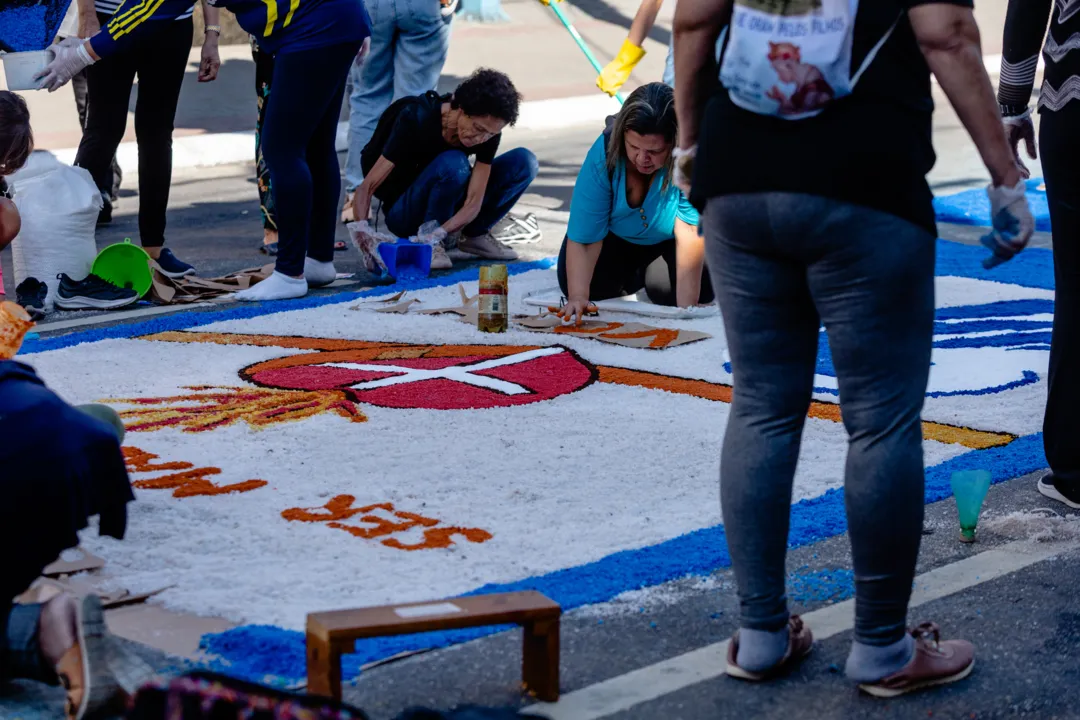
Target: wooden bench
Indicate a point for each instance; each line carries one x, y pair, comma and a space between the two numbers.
333, 634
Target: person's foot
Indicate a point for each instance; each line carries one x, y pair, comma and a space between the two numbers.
1053, 488
347, 215
31, 294
800, 643
172, 266
439, 259
934, 662
487, 247
92, 293
514, 230
105, 214
269, 244
275, 287
319, 274
83, 668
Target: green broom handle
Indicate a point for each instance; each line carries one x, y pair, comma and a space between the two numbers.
581, 43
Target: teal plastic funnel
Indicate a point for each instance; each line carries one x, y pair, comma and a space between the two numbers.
970, 488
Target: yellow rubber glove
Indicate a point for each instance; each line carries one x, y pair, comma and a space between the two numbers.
618, 70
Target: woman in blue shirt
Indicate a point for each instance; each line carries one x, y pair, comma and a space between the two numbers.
314, 43
630, 227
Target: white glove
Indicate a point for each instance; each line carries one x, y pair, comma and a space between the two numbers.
1013, 223
68, 60
684, 168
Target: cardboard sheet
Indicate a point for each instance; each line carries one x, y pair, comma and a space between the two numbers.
635, 335
191, 289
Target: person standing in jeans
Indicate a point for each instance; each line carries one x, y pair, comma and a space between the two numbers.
1025, 28
830, 221
159, 63
264, 78
409, 42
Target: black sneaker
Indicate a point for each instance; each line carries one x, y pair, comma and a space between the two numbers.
31, 294
93, 293
105, 214
173, 266
1060, 490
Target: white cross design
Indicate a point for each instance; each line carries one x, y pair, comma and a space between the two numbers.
458, 373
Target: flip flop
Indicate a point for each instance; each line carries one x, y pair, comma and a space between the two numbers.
85, 665
268, 249
340, 246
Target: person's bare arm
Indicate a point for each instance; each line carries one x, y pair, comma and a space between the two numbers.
88, 19
644, 19
372, 181
474, 198
580, 264
949, 39
689, 262
10, 222
697, 26
210, 62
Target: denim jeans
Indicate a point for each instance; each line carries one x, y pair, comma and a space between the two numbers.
20, 655
409, 42
440, 190
784, 264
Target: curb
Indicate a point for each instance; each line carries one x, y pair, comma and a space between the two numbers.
212, 149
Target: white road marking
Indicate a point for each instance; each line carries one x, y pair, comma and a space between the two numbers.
459, 373
668, 676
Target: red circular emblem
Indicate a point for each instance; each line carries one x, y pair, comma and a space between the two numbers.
438, 377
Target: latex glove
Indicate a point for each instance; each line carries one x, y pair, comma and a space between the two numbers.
68, 60
1017, 128
684, 168
618, 70
1013, 223
365, 48
430, 233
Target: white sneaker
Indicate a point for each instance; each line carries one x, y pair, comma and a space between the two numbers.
486, 247
439, 259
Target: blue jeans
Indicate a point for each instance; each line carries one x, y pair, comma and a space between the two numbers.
409, 42
783, 264
440, 190
20, 653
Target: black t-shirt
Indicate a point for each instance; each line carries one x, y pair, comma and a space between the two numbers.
415, 140
871, 148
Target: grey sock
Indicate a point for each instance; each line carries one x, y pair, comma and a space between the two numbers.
870, 663
760, 650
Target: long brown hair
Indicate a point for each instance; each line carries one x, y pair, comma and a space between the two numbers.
650, 110
16, 137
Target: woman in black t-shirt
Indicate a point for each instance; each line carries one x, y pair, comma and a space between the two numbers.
417, 164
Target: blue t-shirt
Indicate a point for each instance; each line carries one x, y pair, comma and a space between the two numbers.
599, 205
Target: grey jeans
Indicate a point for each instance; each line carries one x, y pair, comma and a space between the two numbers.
20, 656
783, 265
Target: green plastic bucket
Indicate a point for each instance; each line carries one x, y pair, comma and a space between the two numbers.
125, 265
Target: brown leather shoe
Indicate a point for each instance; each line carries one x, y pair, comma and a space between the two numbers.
934, 663
83, 669
800, 643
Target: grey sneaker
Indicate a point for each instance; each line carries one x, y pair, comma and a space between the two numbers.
486, 247
514, 230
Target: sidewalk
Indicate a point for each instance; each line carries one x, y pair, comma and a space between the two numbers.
215, 121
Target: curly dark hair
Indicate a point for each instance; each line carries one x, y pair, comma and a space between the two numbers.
16, 138
488, 92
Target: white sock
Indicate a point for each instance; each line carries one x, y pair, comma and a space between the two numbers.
275, 287
319, 274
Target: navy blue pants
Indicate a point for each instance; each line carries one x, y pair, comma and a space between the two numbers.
298, 137
440, 190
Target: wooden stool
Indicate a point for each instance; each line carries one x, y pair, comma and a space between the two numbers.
333, 634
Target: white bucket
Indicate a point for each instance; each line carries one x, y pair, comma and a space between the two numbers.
21, 67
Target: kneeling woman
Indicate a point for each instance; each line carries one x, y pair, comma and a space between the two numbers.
630, 227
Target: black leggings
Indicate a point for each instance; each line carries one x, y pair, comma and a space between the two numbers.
298, 145
1060, 151
159, 60
624, 268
